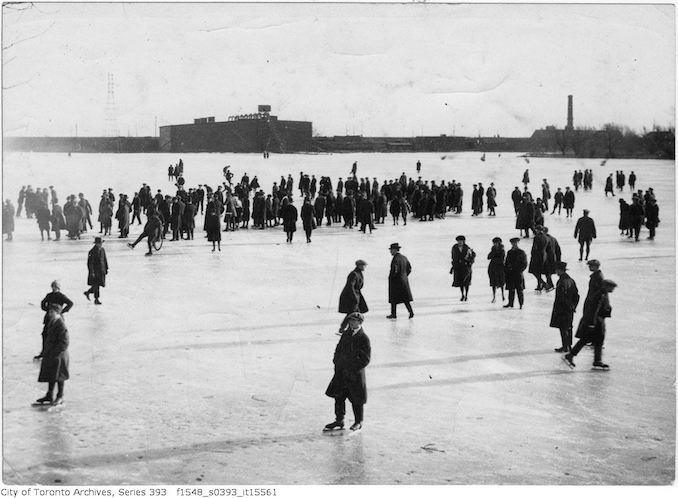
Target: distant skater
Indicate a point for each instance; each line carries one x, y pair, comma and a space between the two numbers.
351, 356
418, 167
514, 266
97, 268
398, 283
585, 232
495, 269
463, 258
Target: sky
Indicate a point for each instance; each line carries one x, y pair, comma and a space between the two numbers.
358, 69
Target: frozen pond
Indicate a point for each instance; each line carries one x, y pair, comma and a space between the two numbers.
210, 368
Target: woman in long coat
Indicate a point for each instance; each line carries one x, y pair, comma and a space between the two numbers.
213, 227
54, 366
122, 215
495, 270
106, 217
43, 216
289, 217
395, 210
463, 258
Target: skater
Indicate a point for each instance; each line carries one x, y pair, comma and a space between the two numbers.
463, 258
586, 232
8, 219
636, 213
308, 218
398, 283
608, 186
526, 177
568, 202
557, 201
97, 267
592, 325
632, 181
54, 298
564, 306
624, 222
43, 217
54, 367
351, 356
495, 269
418, 167
538, 257
525, 217
351, 298
289, 218
491, 194
152, 230
213, 227
651, 216
514, 266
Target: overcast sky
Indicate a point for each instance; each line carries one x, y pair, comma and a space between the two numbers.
375, 70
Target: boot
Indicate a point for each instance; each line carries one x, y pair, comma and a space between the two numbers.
336, 425
356, 427
45, 399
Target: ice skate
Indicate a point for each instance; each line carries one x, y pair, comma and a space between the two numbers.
356, 427
568, 359
45, 400
334, 426
599, 365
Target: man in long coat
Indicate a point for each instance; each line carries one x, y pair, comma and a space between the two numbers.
585, 232
351, 356
97, 268
564, 306
514, 266
538, 256
568, 202
54, 367
351, 298
398, 283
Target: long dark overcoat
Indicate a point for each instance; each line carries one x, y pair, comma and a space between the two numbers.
538, 254
351, 357
525, 217
97, 266
553, 255
307, 216
462, 265
565, 302
213, 226
592, 323
289, 218
54, 367
568, 200
351, 298
585, 229
495, 270
398, 283
514, 266
651, 215
7, 218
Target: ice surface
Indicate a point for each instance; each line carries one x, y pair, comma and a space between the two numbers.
210, 368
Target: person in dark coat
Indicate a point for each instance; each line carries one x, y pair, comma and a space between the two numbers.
43, 218
651, 216
592, 325
188, 219
52, 299
553, 256
608, 186
54, 367
152, 231
289, 218
491, 194
463, 258
568, 202
97, 268
538, 257
308, 218
564, 306
558, 201
585, 232
398, 283
8, 219
365, 213
351, 298
514, 266
351, 356
525, 218
495, 269
624, 222
58, 221
213, 226
636, 213
632, 181
526, 177
517, 198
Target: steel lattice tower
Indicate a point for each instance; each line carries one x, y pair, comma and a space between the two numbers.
111, 110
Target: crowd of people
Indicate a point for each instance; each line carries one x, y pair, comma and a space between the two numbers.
352, 202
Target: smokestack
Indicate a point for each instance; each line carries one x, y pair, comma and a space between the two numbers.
569, 113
